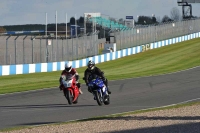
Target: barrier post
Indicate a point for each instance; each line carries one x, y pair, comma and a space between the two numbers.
24, 49
32, 49
7, 50
16, 49
40, 49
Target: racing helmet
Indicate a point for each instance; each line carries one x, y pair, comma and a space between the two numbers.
68, 67
91, 65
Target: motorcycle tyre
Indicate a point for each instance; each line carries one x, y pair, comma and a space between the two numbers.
108, 101
76, 101
98, 98
69, 97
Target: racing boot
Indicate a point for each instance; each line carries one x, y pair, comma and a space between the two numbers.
106, 83
109, 92
60, 87
80, 91
89, 90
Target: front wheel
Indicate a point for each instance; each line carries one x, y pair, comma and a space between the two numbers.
69, 96
76, 101
106, 99
98, 98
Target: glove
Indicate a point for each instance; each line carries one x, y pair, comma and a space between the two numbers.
77, 77
104, 79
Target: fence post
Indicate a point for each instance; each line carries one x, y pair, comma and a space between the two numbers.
62, 49
24, 49
72, 49
85, 46
52, 51
56, 59
16, 49
32, 49
120, 40
77, 46
47, 50
40, 49
7, 50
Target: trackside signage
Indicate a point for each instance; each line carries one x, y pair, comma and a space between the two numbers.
129, 17
145, 47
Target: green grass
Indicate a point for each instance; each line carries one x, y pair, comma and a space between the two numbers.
162, 60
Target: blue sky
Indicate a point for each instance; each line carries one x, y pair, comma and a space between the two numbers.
14, 12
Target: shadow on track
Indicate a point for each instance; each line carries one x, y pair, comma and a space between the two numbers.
176, 128
43, 106
127, 118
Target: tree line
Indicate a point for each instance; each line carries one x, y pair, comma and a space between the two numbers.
175, 15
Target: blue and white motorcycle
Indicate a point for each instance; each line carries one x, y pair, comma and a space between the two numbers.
99, 90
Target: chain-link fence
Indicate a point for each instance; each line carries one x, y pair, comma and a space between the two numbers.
144, 34
37, 49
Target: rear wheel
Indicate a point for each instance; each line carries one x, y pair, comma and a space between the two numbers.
98, 98
69, 96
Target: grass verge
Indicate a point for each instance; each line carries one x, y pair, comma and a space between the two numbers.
162, 60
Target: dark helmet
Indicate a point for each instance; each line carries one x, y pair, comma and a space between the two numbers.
91, 65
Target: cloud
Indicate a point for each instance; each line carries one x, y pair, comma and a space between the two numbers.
6, 7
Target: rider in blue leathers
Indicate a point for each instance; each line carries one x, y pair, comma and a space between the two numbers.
92, 69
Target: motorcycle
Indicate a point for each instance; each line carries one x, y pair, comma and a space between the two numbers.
70, 89
99, 90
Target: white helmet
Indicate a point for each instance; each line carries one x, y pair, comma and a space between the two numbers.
68, 67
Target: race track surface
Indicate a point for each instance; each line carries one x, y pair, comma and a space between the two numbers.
50, 106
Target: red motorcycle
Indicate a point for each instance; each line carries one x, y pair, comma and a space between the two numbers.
70, 89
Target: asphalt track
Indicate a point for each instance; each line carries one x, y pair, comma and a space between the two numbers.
50, 106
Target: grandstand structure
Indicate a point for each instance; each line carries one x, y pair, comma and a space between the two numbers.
98, 19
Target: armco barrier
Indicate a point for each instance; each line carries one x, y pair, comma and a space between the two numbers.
56, 66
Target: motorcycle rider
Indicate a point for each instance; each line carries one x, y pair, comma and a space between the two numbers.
92, 69
69, 70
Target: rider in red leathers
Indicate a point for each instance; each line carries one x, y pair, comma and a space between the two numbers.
69, 70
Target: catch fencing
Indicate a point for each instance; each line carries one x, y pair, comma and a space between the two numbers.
38, 49
145, 34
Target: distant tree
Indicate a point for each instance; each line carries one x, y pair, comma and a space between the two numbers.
146, 20
154, 19
175, 14
166, 19
112, 19
60, 28
72, 20
141, 20
2, 30
81, 20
